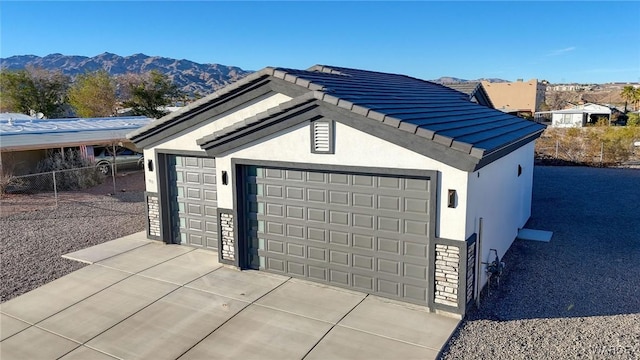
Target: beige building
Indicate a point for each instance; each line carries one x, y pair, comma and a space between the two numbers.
516, 97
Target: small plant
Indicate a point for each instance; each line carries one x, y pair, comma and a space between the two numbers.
633, 119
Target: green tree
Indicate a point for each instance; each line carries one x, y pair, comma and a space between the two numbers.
630, 95
34, 90
93, 94
150, 95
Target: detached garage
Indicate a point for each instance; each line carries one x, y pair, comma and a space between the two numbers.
370, 181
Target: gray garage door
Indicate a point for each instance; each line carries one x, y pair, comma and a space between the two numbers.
365, 232
193, 200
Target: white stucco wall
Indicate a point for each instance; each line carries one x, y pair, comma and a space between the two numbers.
186, 140
354, 148
502, 199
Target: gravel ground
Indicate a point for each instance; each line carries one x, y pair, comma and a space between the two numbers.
33, 241
577, 296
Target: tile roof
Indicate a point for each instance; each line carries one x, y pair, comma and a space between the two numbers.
429, 110
434, 112
468, 88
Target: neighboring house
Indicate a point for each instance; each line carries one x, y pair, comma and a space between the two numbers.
24, 141
518, 98
370, 181
577, 116
475, 90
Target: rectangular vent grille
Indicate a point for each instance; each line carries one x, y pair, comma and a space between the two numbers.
321, 136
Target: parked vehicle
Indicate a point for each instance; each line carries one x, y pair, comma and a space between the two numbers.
124, 158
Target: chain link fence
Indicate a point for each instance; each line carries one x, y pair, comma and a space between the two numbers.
50, 194
590, 146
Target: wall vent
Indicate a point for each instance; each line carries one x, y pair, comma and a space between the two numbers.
322, 136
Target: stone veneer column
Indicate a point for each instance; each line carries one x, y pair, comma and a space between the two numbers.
153, 211
447, 269
228, 241
471, 270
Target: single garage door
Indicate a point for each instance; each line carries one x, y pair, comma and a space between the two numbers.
361, 231
193, 200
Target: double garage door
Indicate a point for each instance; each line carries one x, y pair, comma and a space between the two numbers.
361, 231
193, 201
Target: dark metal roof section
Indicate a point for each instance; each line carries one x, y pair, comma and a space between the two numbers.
434, 112
445, 118
473, 88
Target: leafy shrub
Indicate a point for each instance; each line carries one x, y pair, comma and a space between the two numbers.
73, 172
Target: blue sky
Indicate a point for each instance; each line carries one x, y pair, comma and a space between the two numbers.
559, 41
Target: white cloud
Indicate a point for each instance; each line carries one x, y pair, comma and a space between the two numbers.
561, 51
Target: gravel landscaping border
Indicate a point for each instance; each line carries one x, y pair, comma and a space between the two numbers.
577, 296
34, 240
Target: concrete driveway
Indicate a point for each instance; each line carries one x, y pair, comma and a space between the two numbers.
141, 299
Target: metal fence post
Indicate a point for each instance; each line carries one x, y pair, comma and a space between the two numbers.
55, 188
601, 151
557, 146
113, 176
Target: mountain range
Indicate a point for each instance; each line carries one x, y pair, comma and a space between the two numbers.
189, 76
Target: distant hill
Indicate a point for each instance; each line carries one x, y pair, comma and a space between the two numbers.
189, 76
455, 80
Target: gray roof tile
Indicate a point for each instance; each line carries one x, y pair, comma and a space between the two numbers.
421, 107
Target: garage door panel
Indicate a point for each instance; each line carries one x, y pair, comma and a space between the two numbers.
415, 271
363, 282
294, 175
194, 209
208, 163
389, 183
362, 181
414, 249
339, 257
363, 262
318, 215
339, 179
339, 277
339, 198
388, 287
193, 200
415, 293
295, 231
339, 238
195, 239
389, 246
337, 217
416, 206
295, 193
193, 177
417, 184
275, 210
318, 254
363, 200
364, 242
361, 231
317, 273
295, 268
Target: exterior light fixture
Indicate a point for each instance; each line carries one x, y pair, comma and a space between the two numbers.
452, 197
